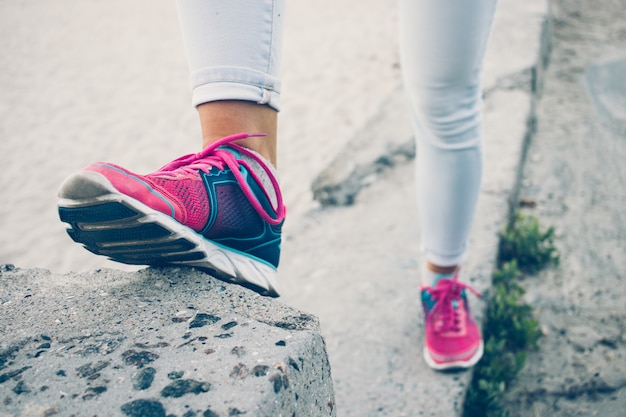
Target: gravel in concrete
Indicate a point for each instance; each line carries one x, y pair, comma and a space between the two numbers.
157, 342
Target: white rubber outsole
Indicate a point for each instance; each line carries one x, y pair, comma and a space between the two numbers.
454, 364
125, 230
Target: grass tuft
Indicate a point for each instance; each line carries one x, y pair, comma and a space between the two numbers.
524, 241
511, 329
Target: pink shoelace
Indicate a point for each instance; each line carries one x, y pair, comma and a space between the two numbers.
446, 296
211, 156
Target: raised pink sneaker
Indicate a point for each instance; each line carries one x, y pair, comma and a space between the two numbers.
453, 339
208, 210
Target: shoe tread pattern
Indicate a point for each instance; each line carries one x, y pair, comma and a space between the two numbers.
125, 234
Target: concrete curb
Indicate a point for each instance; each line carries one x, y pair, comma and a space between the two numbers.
157, 342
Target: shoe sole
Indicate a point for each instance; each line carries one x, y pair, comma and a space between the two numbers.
125, 230
463, 364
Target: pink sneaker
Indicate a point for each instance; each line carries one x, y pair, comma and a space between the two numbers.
453, 339
208, 210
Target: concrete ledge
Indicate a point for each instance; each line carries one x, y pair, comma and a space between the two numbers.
158, 342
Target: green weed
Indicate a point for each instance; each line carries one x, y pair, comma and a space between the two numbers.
524, 241
510, 328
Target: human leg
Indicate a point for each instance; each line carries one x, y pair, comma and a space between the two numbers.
234, 53
220, 209
442, 48
219, 119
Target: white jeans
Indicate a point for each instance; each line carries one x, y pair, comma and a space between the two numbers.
234, 50
442, 46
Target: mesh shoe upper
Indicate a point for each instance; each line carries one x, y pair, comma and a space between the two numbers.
452, 335
216, 193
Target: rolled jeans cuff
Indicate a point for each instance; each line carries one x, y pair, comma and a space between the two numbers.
445, 260
235, 83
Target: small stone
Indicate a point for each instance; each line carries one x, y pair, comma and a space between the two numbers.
181, 387
143, 380
277, 382
260, 370
139, 359
238, 351
294, 364
281, 366
175, 375
8, 375
203, 319
97, 390
180, 319
229, 325
210, 413
91, 369
144, 408
21, 388
240, 371
527, 202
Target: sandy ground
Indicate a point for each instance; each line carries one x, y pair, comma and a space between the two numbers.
83, 81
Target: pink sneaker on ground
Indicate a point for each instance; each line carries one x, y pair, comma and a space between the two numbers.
219, 210
453, 339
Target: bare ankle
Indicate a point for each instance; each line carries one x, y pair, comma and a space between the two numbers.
441, 269
223, 118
